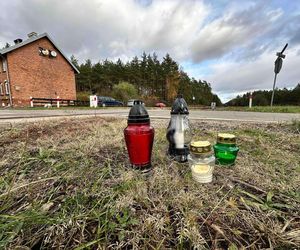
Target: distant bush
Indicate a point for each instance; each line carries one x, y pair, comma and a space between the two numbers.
150, 100
124, 91
83, 96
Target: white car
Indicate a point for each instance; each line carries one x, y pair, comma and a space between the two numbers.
130, 102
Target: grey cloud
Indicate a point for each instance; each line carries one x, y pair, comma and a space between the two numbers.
100, 29
239, 37
294, 29
241, 77
246, 34
226, 33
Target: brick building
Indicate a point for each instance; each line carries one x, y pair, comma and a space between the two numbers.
35, 68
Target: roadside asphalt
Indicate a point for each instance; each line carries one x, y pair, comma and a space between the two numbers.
27, 115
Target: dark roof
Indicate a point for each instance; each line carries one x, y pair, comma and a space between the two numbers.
32, 39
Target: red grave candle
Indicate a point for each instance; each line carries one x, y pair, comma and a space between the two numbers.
139, 136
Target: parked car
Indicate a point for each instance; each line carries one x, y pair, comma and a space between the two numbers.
160, 105
130, 102
105, 101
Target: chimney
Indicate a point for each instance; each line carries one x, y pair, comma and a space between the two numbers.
17, 41
32, 34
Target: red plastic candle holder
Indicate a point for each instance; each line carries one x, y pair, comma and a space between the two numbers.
139, 136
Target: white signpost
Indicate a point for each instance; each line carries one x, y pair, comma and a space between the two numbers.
93, 101
213, 105
250, 100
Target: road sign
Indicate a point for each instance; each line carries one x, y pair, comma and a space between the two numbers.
277, 68
278, 65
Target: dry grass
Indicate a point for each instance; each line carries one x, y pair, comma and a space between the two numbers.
66, 185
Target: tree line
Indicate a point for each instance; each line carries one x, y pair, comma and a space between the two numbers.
263, 97
153, 79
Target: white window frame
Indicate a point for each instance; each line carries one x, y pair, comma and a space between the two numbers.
1, 89
4, 65
6, 88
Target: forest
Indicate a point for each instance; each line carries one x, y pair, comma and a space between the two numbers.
146, 77
262, 97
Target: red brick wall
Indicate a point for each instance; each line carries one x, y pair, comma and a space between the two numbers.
39, 76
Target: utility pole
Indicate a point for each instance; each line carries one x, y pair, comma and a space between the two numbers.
277, 68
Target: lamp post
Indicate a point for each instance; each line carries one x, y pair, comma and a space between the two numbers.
277, 68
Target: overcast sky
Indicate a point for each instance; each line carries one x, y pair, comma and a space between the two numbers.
231, 44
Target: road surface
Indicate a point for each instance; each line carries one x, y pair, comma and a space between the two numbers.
14, 115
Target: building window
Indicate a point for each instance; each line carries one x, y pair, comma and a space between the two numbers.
6, 88
4, 66
1, 88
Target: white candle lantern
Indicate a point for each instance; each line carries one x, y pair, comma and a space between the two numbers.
179, 132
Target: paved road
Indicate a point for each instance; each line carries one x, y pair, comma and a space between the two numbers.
10, 115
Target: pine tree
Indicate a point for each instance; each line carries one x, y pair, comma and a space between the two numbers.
152, 79
171, 75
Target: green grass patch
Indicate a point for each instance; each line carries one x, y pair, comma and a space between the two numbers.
274, 109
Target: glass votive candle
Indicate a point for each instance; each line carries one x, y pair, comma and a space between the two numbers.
226, 149
201, 161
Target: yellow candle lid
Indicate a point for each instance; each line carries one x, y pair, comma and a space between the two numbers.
226, 138
200, 147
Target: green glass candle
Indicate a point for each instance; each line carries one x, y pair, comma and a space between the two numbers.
226, 149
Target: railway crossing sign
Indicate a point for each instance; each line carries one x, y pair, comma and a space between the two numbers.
277, 68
